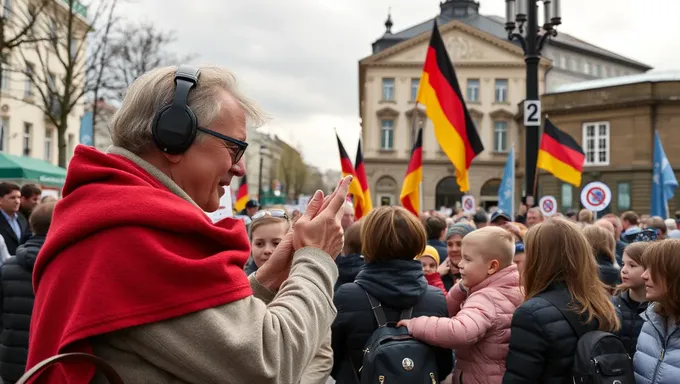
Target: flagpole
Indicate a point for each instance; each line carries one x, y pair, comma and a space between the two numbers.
512, 209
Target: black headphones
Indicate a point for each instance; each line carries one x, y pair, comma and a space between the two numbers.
174, 127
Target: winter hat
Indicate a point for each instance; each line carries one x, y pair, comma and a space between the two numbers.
430, 251
460, 229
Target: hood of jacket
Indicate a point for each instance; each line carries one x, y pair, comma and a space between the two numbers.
398, 284
27, 253
349, 266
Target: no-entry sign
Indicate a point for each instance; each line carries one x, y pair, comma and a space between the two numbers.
548, 205
596, 196
468, 203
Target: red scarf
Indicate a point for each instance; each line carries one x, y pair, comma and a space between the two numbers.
435, 280
123, 251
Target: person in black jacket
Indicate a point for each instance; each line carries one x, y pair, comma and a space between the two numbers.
350, 261
390, 238
17, 296
631, 302
603, 244
560, 269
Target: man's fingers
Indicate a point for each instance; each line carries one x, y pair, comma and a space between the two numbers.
314, 206
338, 200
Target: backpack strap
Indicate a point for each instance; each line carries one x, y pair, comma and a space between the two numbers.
406, 314
557, 299
378, 312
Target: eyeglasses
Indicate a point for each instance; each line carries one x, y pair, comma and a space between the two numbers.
277, 213
230, 142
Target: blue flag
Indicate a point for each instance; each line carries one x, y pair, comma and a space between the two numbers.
86, 129
664, 182
506, 191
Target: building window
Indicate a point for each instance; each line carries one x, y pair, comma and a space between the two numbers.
8, 9
573, 64
28, 130
623, 196
388, 89
563, 62
596, 139
74, 48
52, 81
586, 67
5, 76
4, 133
501, 90
500, 136
48, 145
473, 90
71, 143
597, 70
386, 134
567, 196
28, 86
478, 123
604, 71
415, 83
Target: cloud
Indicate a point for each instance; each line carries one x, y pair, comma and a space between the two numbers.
299, 58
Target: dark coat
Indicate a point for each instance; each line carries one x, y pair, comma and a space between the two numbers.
7, 232
398, 285
17, 305
609, 273
542, 343
631, 321
348, 268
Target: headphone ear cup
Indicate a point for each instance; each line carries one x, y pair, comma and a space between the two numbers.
174, 129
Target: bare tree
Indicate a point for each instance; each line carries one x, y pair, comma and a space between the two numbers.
17, 23
291, 170
71, 46
136, 49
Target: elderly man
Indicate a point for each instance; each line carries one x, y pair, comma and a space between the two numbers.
534, 216
135, 272
348, 217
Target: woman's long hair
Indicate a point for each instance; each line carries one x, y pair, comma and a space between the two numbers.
557, 251
602, 242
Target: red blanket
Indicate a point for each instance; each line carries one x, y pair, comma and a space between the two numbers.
123, 251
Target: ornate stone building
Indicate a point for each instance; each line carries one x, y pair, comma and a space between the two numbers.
491, 75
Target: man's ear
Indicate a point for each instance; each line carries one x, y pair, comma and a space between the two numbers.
174, 159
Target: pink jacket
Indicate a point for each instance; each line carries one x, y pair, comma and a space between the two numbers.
479, 327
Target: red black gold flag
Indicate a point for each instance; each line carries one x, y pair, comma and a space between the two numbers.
410, 191
242, 196
440, 94
348, 169
560, 155
362, 205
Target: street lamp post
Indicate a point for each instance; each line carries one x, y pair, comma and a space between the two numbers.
518, 13
263, 152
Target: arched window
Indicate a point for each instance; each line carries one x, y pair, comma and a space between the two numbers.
447, 192
387, 191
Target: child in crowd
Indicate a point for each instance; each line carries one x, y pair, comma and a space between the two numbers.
603, 245
657, 360
631, 301
430, 262
519, 257
480, 306
267, 229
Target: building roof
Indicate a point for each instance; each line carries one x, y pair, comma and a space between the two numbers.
649, 77
495, 25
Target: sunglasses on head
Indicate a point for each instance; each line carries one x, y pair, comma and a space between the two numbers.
236, 147
277, 213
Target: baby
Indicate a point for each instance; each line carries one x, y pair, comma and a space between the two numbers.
430, 262
480, 306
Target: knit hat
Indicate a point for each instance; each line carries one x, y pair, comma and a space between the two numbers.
430, 251
460, 229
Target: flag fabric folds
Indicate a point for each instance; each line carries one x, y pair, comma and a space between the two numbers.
560, 155
506, 191
664, 182
410, 191
440, 93
242, 196
348, 169
364, 204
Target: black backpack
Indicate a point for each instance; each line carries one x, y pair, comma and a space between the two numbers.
601, 357
391, 355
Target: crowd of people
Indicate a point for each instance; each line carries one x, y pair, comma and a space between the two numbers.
128, 269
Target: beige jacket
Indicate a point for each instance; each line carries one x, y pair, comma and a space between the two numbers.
267, 338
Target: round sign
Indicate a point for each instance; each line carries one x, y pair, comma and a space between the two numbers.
468, 204
548, 205
596, 196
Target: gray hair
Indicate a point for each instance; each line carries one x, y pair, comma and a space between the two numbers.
131, 125
348, 205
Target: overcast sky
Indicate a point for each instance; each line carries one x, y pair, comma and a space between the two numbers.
299, 58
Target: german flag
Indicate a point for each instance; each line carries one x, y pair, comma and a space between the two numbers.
242, 196
560, 155
410, 191
440, 94
363, 205
348, 169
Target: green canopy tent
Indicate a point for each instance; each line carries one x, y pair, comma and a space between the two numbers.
28, 169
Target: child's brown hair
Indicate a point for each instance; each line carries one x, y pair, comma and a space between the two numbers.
662, 261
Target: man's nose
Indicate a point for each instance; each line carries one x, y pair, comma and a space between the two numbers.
239, 168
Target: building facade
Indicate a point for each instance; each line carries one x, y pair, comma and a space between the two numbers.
614, 121
491, 75
25, 129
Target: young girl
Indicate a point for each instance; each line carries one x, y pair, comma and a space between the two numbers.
604, 249
480, 306
430, 262
266, 232
559, 270
657, 360
631, 300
